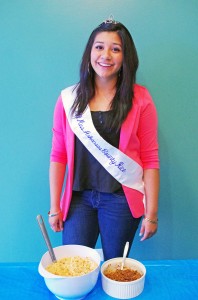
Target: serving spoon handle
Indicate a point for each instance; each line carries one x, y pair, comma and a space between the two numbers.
126, 248
46, 237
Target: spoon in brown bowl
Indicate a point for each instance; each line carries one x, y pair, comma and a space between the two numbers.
126, 248
46, 238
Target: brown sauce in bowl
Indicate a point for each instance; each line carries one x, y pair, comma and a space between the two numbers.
122, 275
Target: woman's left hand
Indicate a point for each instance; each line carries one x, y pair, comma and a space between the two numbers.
147, 230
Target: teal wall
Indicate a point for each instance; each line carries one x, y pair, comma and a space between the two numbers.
41, 43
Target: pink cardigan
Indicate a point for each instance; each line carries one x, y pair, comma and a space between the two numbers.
138, 139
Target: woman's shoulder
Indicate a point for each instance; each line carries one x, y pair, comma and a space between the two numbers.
69, 89
69, 93
140, 89
141, 95
59, 107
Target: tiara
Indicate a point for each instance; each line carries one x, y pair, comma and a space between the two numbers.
110, 20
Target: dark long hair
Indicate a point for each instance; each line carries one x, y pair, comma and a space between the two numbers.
122, 101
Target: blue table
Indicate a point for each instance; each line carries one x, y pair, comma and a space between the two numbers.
165, 280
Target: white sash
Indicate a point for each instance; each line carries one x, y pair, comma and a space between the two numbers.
124, 169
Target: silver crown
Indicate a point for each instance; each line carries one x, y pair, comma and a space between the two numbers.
110, 20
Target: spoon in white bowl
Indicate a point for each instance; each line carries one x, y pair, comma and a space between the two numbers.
126, 248
46, 237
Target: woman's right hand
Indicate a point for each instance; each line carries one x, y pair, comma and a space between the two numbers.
56, 222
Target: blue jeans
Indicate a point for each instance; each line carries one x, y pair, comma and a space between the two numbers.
92, 213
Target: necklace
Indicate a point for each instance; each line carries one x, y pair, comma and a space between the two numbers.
101, 101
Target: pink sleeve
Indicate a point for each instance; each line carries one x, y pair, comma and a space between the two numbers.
148, 134
58, 151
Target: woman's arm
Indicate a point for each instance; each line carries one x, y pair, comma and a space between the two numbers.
148, 136
151, 184
58, 161
56, 178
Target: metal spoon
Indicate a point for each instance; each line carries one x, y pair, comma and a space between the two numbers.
46, 237
126, 248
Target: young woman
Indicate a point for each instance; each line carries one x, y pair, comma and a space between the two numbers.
105, 133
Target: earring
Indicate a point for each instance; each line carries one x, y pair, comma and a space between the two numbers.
88, 68
119, 73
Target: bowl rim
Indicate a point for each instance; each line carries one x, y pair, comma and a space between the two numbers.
46, 274
102, 269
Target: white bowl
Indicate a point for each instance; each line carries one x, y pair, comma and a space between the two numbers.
123, 290
76, 287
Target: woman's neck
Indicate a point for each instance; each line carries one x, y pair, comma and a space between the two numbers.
107, 86
104, 94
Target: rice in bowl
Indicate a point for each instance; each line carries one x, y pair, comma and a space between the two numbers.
72, 266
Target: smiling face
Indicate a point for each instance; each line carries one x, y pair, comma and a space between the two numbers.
107, 55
